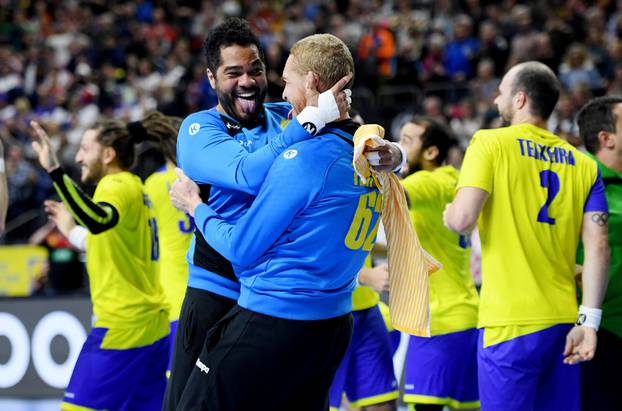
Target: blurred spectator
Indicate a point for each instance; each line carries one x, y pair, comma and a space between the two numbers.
525, 42
276, 56
21, 177
615, 87
493, 47
484, 85
581, 94
465, 121
545, 52
462, 50
377, 52
614, 24
578, 69
296, 26
560, 34
4, 191
563, 122
433, 108
432, 67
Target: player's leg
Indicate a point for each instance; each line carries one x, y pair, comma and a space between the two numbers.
442, 370
108, 378
371, 382
337, 386
269, 363
559, 384
200, 311
599, 391
148, 392
508, 373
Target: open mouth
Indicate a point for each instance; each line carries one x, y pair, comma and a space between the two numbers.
247, 101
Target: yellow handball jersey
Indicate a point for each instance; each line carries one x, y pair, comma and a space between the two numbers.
530, 224
121, 262
364, 297
175, 230
453, 298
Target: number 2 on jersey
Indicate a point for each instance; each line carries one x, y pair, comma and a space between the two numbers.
359, 235
549, 180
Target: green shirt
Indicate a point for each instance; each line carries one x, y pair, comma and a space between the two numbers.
612, 306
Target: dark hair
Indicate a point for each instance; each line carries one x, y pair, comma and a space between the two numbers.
163, 130
233, 31
595, 116
541, 86
115, 134
435, 134
122, 138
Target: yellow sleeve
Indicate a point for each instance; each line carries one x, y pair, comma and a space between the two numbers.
478, 166
95, 216
419, 188
110, 190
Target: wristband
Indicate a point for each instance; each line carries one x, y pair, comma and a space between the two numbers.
77, 237
311, 120
589, 317
401, 166
328, 106
2, 169
373, 158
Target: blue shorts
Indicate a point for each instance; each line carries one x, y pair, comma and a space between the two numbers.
527, 373
442, 370
366, 371
131, 379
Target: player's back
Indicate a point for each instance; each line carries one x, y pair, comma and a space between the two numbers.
530, 224
175, 229
121, 261
309, 272
453, 298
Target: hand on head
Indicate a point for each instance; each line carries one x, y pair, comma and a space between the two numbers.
343, 97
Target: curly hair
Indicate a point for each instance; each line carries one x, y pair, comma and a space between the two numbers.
233, 31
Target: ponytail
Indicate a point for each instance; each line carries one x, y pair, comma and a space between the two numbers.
161, 129
122, 138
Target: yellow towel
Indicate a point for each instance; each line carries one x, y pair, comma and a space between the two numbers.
409, 263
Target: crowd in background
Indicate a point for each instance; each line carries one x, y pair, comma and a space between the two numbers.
68, 63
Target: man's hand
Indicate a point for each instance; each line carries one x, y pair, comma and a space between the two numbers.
384, 158
580, 345
332, 104
184, 193
59, 215
376, 278
43, 148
